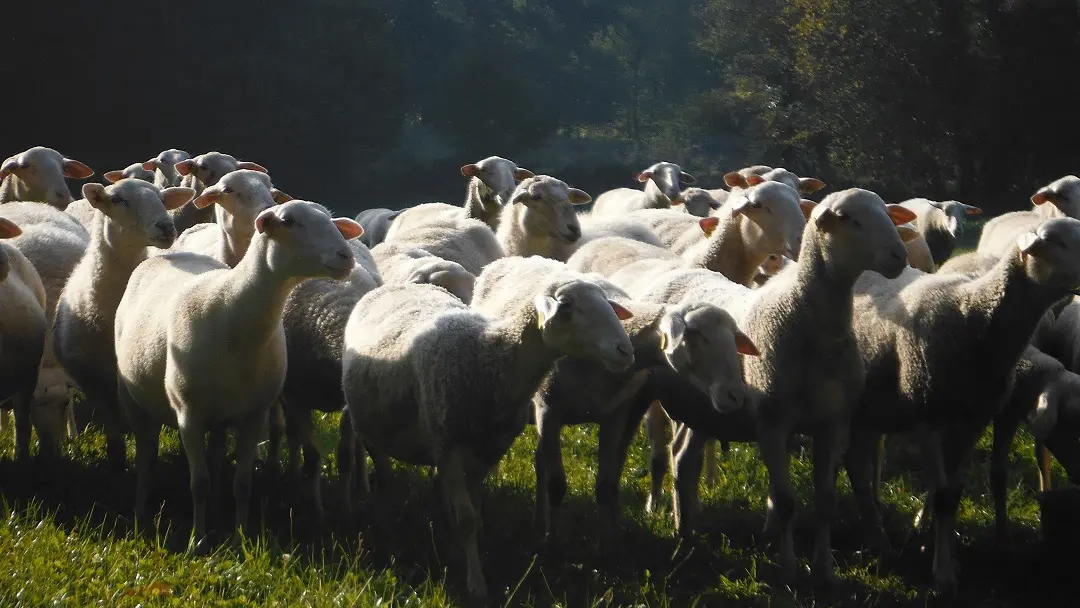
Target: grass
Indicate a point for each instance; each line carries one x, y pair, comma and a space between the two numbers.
66, 534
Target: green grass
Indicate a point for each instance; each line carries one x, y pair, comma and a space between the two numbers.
66, 536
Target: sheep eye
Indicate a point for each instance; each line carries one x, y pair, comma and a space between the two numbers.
535, 197
289, 222
119, 201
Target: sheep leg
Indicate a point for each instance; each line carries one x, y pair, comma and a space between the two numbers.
657, 424
22, 426
247, 447
687, 474
940, 499
348, 445
879, 468
773, 442
276, 425
550, 473
193, 438
147, 443
610, 460
712, 465
1004, 431
829, 444
293, 437
216, 462
464, 517
860, 464
301, 427
1042, 457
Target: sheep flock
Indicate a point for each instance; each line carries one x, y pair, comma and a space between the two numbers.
189, 292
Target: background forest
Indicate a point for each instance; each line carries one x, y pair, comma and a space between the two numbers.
364, 103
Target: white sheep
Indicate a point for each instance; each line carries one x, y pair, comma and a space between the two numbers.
200, 173
236, 200
164, 167
1060, 198
133, 171
431, 381
539, 219
697, 202
751, 176
201, 346
465, 241
919, 254
913, 329
131, 216
376, 223
38, 175
22, 342
940, 223
662, 187
400, 263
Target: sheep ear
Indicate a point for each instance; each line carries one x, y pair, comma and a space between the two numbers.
620, 311
900, 214
644, 176
469, 170
907, 233
522, 174
266, 221
1029, 243
810, 185
687, 179
807, 207
95, 195
754, 180
176, 197
1044, 195
9, 229
348, 228
280, 197
740, 207
708, 224
185, 167
113, 176
971, 209
578, 197
76, 170
745, 346
824, 218
672, 329
208, 197
546, 307
150, 165
251, 166
735, 179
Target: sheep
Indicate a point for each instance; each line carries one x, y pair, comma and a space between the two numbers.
376, 223
38, 175
22, 343
236, 199
809, 375
431, 381
133, 171
539, 219
404, 264
697, 202
1063, 195
201, 346
465, 241
697, 341
940, 222
164, 167
131, 215
200, 173
911, 329
491, 182
751, 176
314, 319
918, 250
662, 188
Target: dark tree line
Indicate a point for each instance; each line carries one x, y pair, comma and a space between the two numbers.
360, 103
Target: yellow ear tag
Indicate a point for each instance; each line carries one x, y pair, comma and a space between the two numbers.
663, 341
540, 320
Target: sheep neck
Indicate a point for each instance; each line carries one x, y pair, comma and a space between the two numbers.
255, 286
824, 289
481, 203
236, 236
725, 251
654, 197
526, 358
113, 254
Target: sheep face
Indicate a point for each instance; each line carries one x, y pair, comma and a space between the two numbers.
737, 179
1051, 253
698, 202
497, 174
135, 171
805, 186
137, 207
43, 171
859, 232
1063, 193
243, 193
306, 242
668, 177
579, 320
549, 204
702, 343
210, 167
955, 213
775, 208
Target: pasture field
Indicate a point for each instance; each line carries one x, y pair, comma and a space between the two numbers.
65, 534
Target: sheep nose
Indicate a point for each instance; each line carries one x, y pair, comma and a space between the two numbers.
573, 230
166, 229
